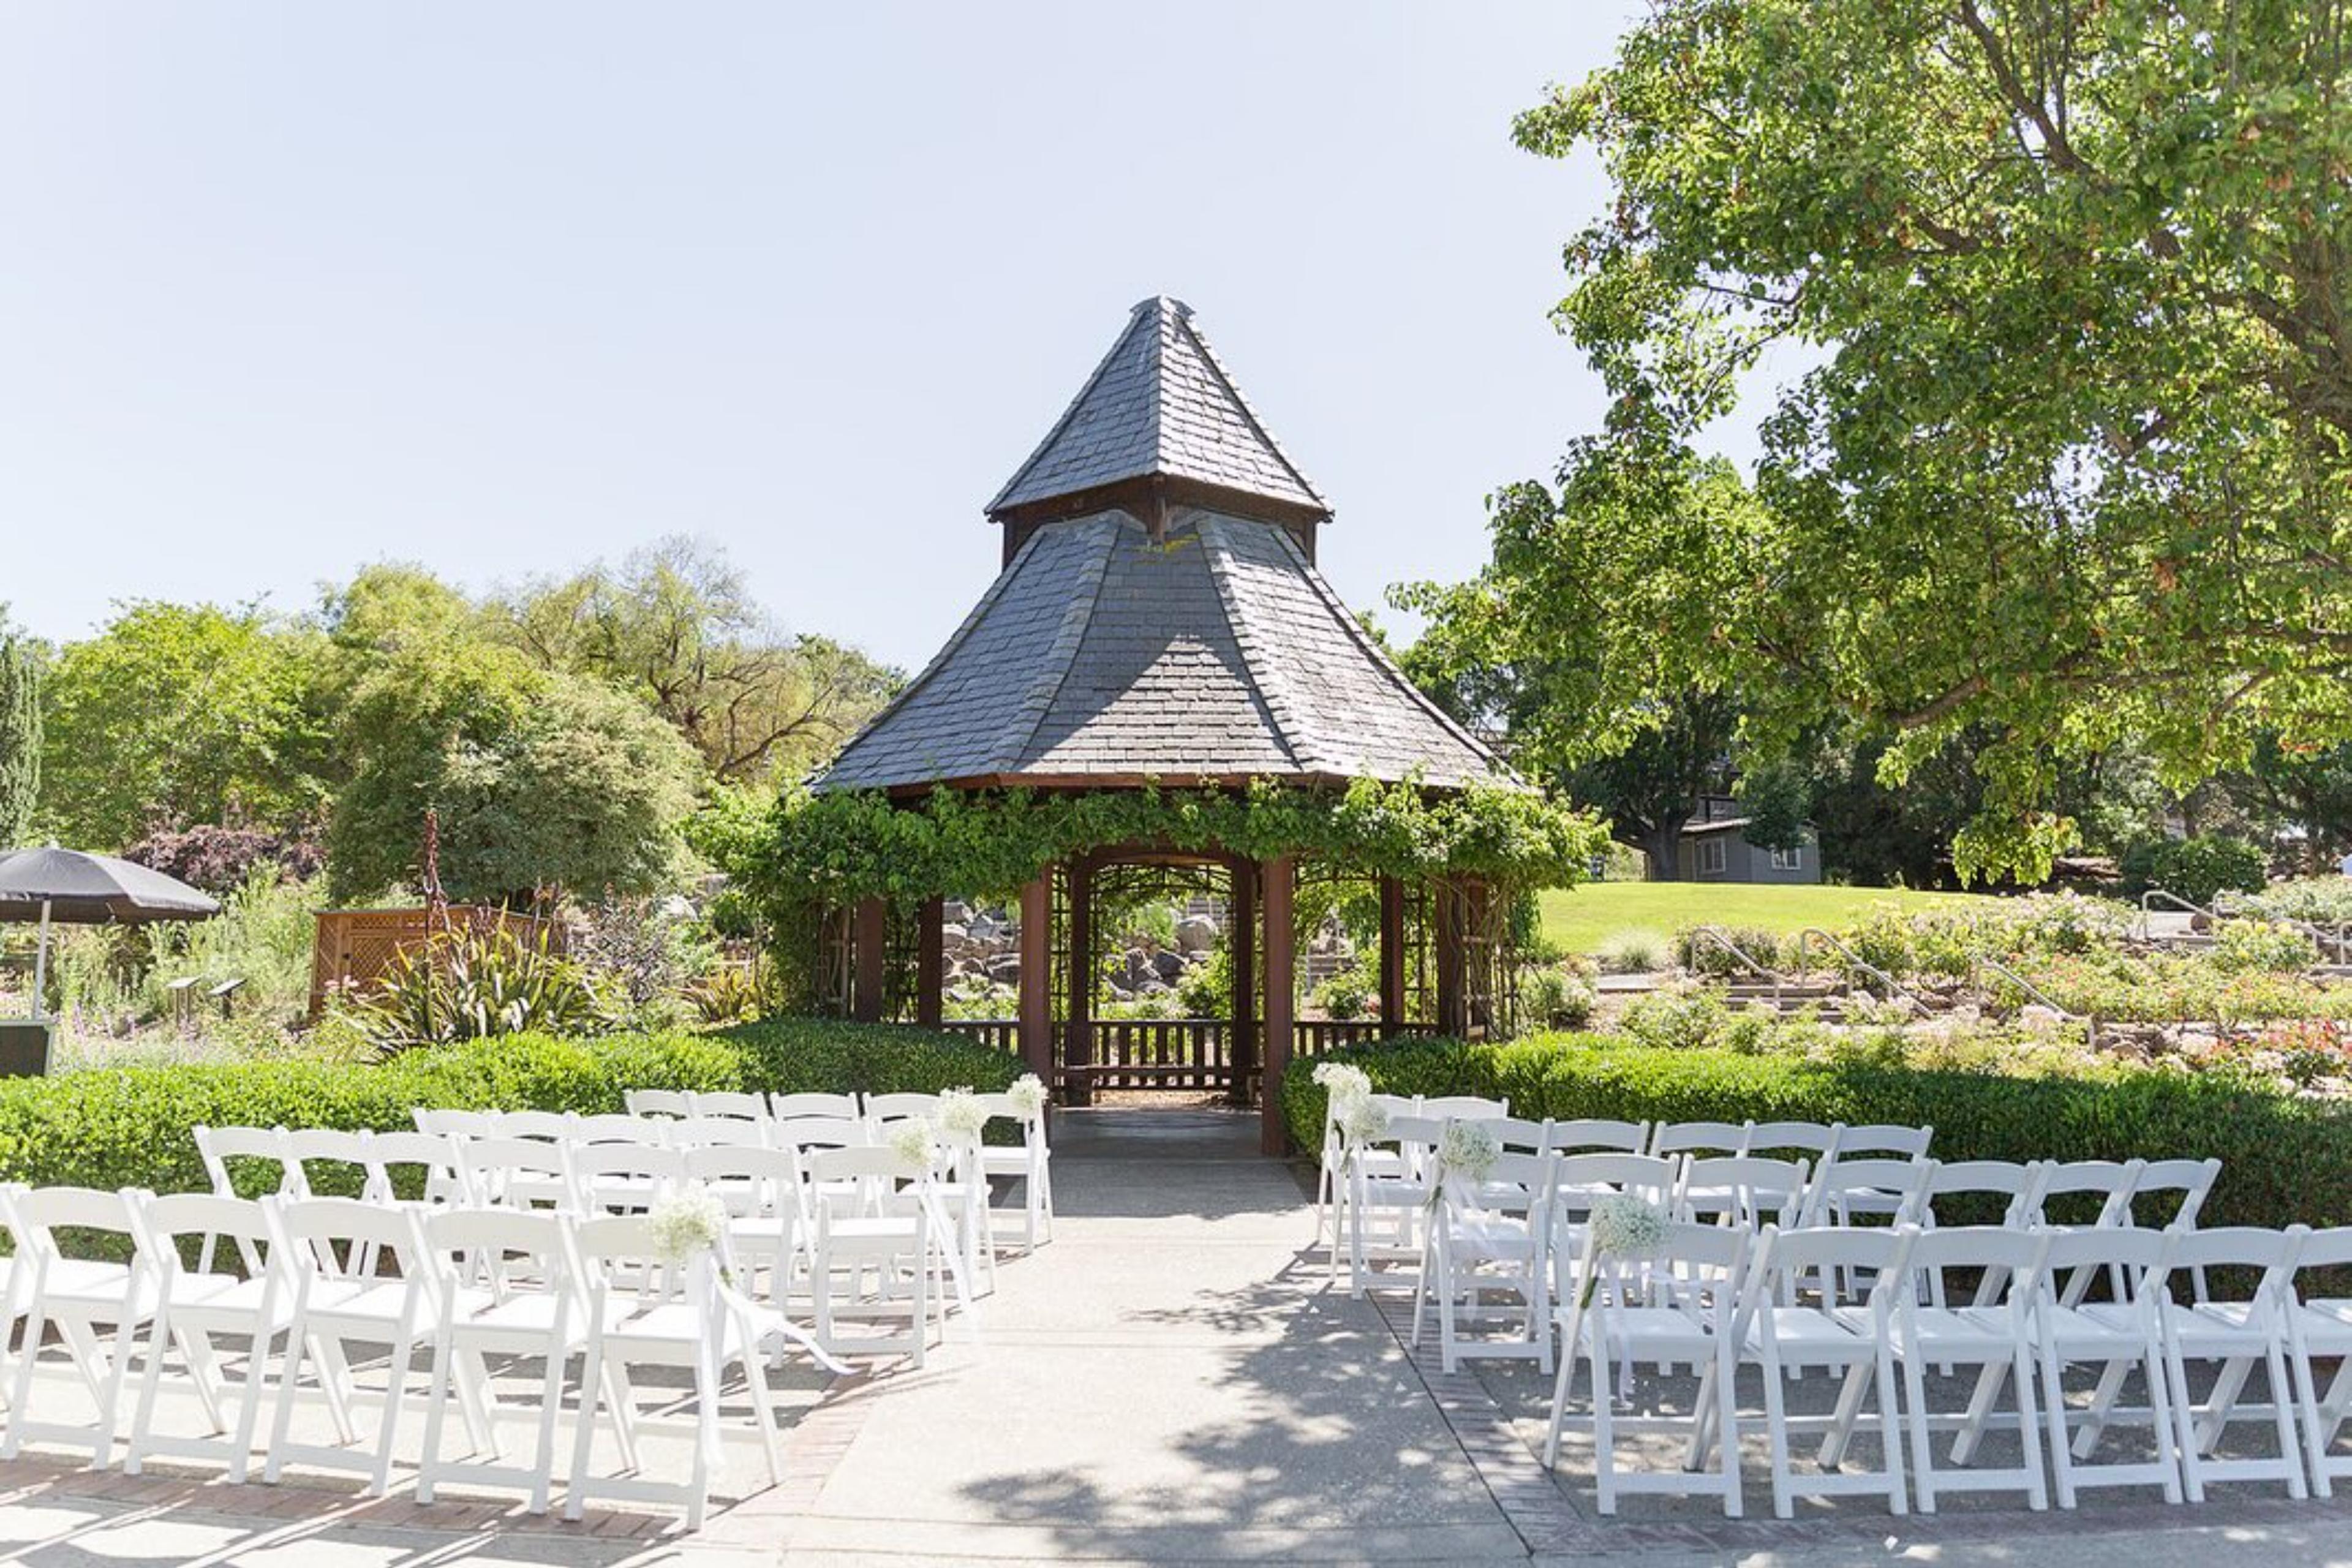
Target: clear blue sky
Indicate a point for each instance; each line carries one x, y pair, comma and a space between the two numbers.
501, 289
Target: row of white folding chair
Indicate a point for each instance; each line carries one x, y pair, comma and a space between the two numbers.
1331, 1187
2025, 1335
595, 1287
1817, 1140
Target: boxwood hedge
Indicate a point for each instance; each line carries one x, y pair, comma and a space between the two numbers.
2283, 1158
132, 1126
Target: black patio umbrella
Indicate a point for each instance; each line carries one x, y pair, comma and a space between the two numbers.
66, 887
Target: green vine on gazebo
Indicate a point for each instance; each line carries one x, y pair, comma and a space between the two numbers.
837, 847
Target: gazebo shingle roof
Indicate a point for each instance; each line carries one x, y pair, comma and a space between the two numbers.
1203, 647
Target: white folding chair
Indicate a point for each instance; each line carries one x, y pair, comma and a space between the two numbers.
1596, 1135
216, 1146
769, 1223
706, 1132
440, 1174
1462, 1108
193, 1307
1846, 1192
608, 1127
81, 1299
1979, 1193
2193, 1180
1388, 1198
1744, 1190
1995, 1336
658, 1102
2072, 1194
1498, 1244
539, 1126
895, 1240
899, 1106
729, 1102
1785, 1329
1029, 1164
2121, 1335
324, 1162
2321, 1325
2237, 1336
334, 1305
1582, 1180
1685, 1313
1668, 1139
1331, 1179
517, 1172
622, 1178
508, 1287
785, 1106
441, 1123
1815, 1142
642, 1311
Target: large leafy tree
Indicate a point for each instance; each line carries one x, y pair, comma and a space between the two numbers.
2073, 460
676, 626
539, 780
180, 714
20, 736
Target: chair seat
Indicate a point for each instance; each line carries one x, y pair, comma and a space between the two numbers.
1948, 1329
1805, 1335
85, 1289
2327, 1325
226, 1293
1484, 1236
665, 1329
1649, 1333
999, 1161
2078, 1333
380, 1301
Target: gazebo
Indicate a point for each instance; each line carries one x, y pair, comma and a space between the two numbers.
1158, 623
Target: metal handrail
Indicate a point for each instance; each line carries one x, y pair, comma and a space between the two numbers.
2089, 1021
1855, 962
1717, 936
2327, 941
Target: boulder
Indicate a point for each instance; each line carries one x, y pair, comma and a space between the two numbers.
1168, 967
1196, 933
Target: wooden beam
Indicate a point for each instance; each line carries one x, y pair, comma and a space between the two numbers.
1453, 999
869, 939
1276, 885
1391, 954
930, 961
1241, 955
1036, 975
1078, 1017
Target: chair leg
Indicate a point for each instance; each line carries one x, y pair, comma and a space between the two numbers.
2184, 1431
281, 1419
2306, 1399
594, 1388
2274, 1368
396, 1387
1981, 1404
2037, 1490
1605, 1437
151, 1380
1775, 1436
1560, 1387
249, 1402
1923, 1463
437, 1393
1727, 1435
2053, 1414
1890, 1434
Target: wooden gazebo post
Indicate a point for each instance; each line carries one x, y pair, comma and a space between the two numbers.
1078, 1018
930, 960
1241, 957
1036, 1013
1391, 954
869, 941
1278, 882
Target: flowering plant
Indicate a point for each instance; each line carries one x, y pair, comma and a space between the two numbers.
912, 1139
686, 1223
961, 1116
1027, 1095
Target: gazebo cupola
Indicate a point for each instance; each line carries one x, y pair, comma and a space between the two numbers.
1158, 621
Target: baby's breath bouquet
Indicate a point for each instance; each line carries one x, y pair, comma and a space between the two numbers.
914, 1140
1623, 1226
1466, 1152
1027, 1095
687, 1224
961, 1116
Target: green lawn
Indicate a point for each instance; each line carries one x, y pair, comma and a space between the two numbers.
1578, 918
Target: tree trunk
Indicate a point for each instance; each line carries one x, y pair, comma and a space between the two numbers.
1662, 844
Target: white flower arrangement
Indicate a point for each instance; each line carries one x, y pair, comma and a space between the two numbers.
686, 1223
1626, 1226
961, 1116
1027, 1095
1342, 1082
913, 1141
1362, 1119
1467, 1149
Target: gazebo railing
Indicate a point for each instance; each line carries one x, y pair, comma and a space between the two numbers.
1180, 1053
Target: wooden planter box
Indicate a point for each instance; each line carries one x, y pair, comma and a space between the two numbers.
24, 1047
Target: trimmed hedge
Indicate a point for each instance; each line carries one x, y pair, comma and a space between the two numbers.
133, 1126
2283, 1158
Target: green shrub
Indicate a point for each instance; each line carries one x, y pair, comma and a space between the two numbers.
2283, 1158
2322, 900
1677, 1019
1759, 942
1346, 995
1632, 950
2242, 946
2199, 869
1555, 998
134, 1127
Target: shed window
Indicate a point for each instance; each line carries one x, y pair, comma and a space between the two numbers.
1788, 859
1710, 856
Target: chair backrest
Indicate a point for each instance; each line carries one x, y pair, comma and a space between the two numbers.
1878, 1139
658, 1102
1594, 1135
2089, 1192
1649, 1176
1698, 1138
2328, 1248
2192, 1179
899, 1106
1705, 1264
1463, 1108
734, 1132
823, 1132
1517, 1134
2274, 1252
731, 1103
616, 1255
1788, 1264
1987, 1187
2142, 1256
874, 1162
1003, 1107
784, 1107
1415, 1133
547, 1126
36, 1214
215, 1146
657, 1163
2006, 1259
456, 1123
1520, 1183
609, 1128
1902, 1181
1744, 1189
750, 1179
163, 1221
503, 1247
345, 1236
1815, 1138
443, 1178
1395, 1105
306, 1148
518, 1171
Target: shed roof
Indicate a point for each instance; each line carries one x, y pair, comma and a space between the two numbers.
1161, 404
1216, 654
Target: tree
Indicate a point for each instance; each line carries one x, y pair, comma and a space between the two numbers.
2074, 461
540, 780
2307, 789
20, 737
676, 626
181, 714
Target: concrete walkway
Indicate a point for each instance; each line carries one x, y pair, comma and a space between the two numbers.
1173, 1380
